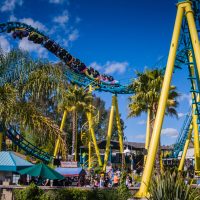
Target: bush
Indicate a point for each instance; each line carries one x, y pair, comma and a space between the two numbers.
106, 194
123, 192
32, 192
171, 186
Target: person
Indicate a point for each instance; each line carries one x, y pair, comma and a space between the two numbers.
127, 181
107, 181
96, 183
102, 182
47, 182
116, 180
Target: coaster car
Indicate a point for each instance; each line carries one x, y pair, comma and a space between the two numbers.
33, 37
20, 34
62, 53
48, 44
67, 58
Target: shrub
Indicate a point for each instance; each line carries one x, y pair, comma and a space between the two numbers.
32, 192
123, 192
171, 186
106, 194
35, 193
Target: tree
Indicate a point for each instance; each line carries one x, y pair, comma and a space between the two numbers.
75, 100
24, 85
147, 88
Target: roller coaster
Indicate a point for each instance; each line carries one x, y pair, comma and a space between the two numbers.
75, 71
184, 51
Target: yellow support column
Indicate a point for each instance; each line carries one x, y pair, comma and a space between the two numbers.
119, 128
91, 131
109, 134
120, 134
194, 119
56, 150
193, 33
89, 151
181, 164
196, 140
161, 107
147, 140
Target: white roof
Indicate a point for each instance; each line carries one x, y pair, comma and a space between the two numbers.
189, 154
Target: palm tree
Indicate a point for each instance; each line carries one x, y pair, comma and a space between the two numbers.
147, 88
75, 100
24, 84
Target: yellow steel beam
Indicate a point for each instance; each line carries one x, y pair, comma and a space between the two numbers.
56, 150
148, 128
161, 107
181, 164
193, 33
119, 128
89, 151
195, 118
91, 131
109, 134
120, 134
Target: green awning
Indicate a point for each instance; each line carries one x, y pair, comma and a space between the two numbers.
42, 171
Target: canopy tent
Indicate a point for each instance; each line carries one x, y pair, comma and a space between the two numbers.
9, 161
42, 171
69, 172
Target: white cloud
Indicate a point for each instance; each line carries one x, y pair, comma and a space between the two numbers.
141, 122
113, 66
95, 65
35, 24
9, 5
139, 136
74, 35
62, 19
27, 45
169, 132
185, 97
180, 115
4, 44
57, 1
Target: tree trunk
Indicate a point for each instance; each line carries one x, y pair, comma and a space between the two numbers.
74, 134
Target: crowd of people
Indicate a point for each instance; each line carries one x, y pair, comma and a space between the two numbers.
75, 64
109, 179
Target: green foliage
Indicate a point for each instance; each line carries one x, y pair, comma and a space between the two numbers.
123, 191
147, 89
109, 194
171, 186
56, 194
32, 192
28, 91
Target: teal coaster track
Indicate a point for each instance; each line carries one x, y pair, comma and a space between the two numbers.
29, 148
76, 71
180, 142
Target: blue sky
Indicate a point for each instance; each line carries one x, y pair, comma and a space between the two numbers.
114, 36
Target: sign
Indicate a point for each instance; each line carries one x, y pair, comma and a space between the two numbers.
68, 164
